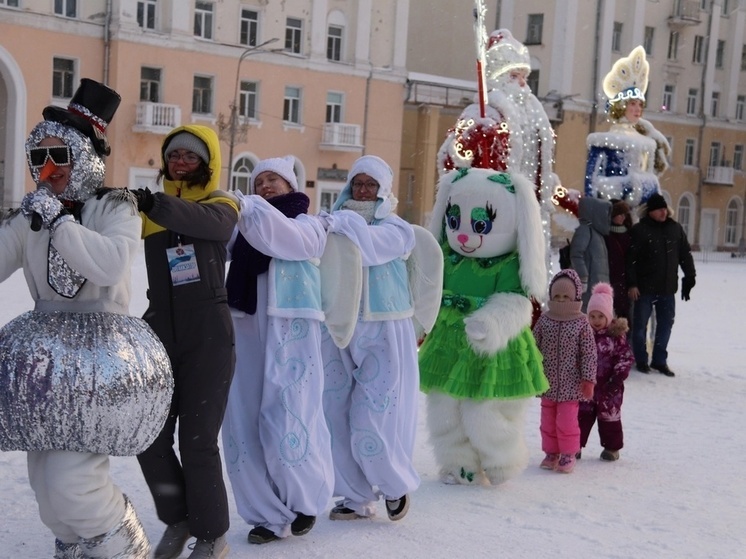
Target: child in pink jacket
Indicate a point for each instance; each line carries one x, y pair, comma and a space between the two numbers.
565, 339
614, 361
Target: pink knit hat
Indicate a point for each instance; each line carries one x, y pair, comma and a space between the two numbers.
602, 300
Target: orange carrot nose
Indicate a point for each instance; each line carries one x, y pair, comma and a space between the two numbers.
47, 170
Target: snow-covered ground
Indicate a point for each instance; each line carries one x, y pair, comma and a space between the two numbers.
678, 490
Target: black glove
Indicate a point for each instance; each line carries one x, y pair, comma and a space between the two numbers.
145, 199
687, 283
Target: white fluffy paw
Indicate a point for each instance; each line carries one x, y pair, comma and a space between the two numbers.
460, 477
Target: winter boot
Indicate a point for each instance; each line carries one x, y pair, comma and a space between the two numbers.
209, 549
609, 455
302, 524
64, 550
566, 463
127, 540
173, 541
550, 461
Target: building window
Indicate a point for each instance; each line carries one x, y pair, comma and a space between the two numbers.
334, 43
202, 95
67, 8
616, 37
668, 97
247, 100
716, 149
743, 58
293, 34
731, 223
685, 214
333, 107
698, 54
203, 20
328, 199
740, 102
703, 5
673, 45
648, 40
291, 106
689, 152
715, 103
63, 77
738, 157
9, 3
146, 14
241, 174
691, 101
535, 29
150, 84
532, 81
720, 54
249, 28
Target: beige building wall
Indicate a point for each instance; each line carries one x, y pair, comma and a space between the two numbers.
572, 57
368, 80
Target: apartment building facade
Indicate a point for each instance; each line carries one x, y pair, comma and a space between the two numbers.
319, 79
696, 94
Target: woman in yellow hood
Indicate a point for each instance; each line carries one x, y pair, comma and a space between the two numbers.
186, 228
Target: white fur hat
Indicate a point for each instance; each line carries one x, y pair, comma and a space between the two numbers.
283, 166
505, 53
379, 170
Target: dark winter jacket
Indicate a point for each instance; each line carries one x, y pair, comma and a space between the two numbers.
617, 245
588, 248
614, 361
655, 254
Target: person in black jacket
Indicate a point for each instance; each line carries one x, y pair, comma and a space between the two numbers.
186, 228
659, 246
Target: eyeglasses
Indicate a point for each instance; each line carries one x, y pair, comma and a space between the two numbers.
60, 156
370, 185
188, 157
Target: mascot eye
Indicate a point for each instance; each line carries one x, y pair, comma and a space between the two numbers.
482, 219
481, 227
453, 216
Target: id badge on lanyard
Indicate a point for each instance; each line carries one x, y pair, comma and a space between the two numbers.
182, 262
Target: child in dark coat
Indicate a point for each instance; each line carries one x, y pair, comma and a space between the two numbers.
614, 361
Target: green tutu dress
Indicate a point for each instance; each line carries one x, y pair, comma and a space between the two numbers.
447, 362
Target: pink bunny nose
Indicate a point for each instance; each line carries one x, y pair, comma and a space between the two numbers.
463, 238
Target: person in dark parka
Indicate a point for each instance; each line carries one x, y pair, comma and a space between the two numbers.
186, 229
588, 254
659, 247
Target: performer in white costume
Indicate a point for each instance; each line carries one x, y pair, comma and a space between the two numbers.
277, 446
624, 163
371, 390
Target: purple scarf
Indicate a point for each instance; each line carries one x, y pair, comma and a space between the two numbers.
247, 262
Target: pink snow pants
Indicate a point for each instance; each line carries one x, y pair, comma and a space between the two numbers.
560, 431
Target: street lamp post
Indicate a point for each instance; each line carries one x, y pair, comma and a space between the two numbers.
234, 105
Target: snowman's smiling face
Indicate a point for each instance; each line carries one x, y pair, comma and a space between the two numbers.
480, 218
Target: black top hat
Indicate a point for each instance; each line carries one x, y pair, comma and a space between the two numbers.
90, 111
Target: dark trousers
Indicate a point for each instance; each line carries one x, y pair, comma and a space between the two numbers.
665, 312
200, 345
610, 432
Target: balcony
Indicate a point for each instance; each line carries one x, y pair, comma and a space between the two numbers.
719, 175
157, 118
685, 12
341, 137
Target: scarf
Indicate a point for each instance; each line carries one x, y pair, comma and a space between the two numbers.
247, 262
366, 209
